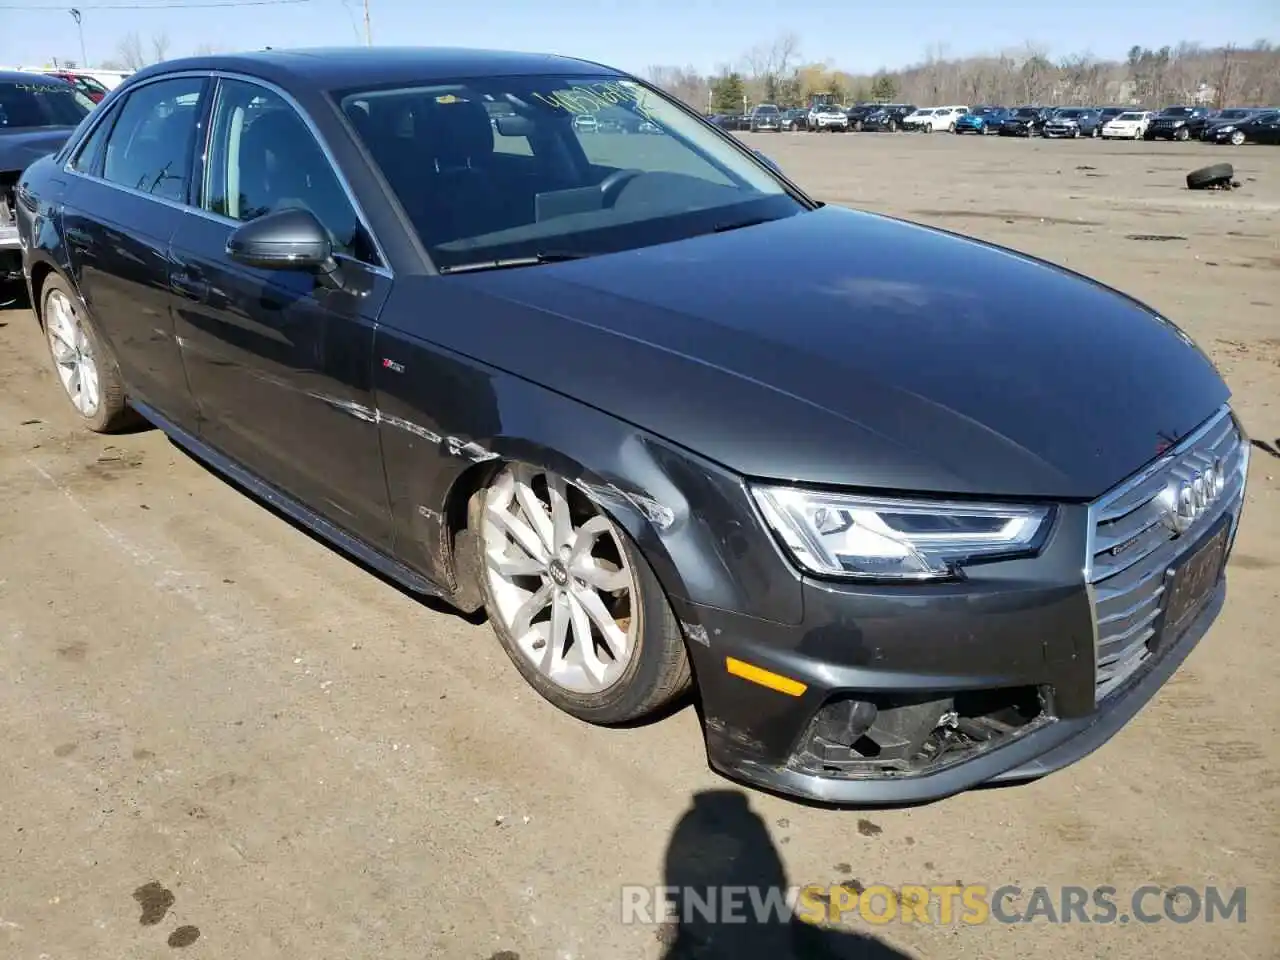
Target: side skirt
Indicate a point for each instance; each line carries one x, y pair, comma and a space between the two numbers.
345, 542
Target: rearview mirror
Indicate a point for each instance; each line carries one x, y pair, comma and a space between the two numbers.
291, 239
769, 163
513, 125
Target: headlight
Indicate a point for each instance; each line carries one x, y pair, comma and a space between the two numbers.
873, 538
1227, 129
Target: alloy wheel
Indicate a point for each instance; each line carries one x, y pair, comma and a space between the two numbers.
72, 353
1237, 137
559, 579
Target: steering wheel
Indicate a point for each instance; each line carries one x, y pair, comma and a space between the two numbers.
611, 186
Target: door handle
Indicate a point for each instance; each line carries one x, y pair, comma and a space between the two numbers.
77, 238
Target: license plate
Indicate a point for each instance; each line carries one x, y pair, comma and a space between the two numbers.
1192, 582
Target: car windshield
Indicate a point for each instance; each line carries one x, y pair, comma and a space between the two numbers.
1233, 114
41, 103
1129, 116
766, 109
1026, 112
1069, 114
1176, 112
534, 184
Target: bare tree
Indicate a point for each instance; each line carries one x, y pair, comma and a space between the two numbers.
159, 46
129, 51
683, 83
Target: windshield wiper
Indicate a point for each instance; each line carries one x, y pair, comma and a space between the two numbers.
739, 224
550, 256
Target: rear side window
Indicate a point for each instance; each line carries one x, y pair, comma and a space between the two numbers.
149, 148
87, 156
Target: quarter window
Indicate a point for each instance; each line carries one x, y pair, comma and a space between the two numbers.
149, 149
264, 158
86, 160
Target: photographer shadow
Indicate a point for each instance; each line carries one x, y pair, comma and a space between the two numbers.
721, 843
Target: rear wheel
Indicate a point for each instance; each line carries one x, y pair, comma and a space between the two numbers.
951, 128
85, 367
573, 602
1237, 138
1182, 134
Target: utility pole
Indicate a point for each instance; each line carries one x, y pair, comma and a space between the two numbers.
368, 31
75, 15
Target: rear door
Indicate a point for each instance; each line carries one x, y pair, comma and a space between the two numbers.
280, 365
131, 186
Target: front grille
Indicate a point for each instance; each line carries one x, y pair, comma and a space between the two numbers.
1132, 546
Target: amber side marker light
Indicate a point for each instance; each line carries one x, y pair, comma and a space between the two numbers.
766, 678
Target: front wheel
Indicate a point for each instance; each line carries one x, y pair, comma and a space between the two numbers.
1182, 135
573, 602
951, 128
893, 126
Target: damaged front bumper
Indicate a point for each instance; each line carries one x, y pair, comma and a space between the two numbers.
888, 696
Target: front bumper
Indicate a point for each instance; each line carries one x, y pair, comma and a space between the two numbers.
900, 694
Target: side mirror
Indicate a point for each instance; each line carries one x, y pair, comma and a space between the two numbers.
767, 162
291, 239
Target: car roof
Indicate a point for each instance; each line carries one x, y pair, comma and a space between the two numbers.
338, 67
22, 76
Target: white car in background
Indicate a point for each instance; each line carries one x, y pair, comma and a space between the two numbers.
933, 119
1127, 126
829, 116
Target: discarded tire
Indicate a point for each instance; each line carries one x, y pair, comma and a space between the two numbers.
1210, 176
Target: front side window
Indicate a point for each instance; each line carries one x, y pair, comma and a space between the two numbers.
41, 103
511, 167
150, 146
264, 158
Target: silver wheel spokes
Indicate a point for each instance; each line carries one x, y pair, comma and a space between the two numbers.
73, 354
559, 578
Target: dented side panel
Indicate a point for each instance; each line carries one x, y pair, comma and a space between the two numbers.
441, 414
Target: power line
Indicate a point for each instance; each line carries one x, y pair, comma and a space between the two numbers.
154, 6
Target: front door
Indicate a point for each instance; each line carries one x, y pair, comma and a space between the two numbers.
280, 364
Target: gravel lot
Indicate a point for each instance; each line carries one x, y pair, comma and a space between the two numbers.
216, 726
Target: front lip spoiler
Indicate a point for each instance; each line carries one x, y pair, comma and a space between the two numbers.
1054, 746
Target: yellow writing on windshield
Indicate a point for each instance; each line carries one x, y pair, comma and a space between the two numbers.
594, 97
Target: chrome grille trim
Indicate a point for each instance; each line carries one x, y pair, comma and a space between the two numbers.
1126, 588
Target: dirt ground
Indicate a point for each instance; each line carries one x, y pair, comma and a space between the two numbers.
222, 739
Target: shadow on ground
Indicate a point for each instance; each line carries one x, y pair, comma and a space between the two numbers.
719, 843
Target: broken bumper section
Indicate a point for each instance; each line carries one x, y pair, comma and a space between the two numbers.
914, 701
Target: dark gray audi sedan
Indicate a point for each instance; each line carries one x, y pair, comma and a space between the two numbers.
906, 512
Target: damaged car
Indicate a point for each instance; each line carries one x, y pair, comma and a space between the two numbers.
37, 114
676, 427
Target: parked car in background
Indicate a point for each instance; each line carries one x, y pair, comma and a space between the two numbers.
90, 87
797, 118
37, 114
933, 119
859, 113
1231, 115
830, 117
765, 116
1110, 113
1259, 128
586, 123
1127, 126
1023, 122
892, 550
1073, 122
887, 117
983, 120
1171, 123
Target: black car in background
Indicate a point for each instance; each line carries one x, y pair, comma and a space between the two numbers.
887, 117
1261, 127
1201, 127
1107, 114
37, 114
858, 114
796, 118
1171, 123
894, 548
1024, 122
765, 116
1073, 122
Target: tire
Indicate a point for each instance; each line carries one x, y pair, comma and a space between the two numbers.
626, 597
1210, 175
86, 369
1095, 133
1182, 135
893, 126
857, 126
951, 128
1237, 138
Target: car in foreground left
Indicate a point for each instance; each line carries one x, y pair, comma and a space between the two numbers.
656, 411
37, 114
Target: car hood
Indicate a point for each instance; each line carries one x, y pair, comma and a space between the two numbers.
19, 148
847, 348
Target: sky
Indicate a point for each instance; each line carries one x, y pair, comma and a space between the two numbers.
632, 36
